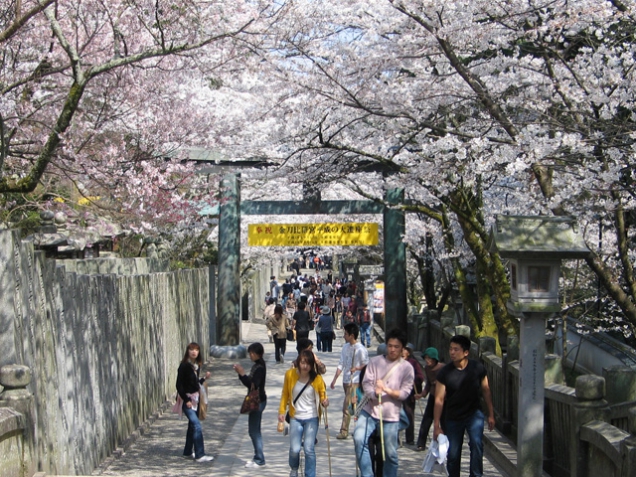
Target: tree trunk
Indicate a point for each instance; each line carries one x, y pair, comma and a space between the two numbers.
486, 313
460, 275
475, 236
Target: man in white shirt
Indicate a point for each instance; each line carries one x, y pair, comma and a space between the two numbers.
353, 358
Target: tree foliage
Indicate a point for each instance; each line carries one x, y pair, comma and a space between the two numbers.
475, 108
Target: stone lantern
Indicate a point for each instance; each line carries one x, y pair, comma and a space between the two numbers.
534, 247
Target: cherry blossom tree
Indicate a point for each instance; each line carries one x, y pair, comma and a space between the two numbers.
475, 108
97, 95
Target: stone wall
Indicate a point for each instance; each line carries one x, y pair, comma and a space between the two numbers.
121, 266
103, 348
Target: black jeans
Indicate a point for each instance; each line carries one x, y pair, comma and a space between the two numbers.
409, 407
280, 344
427, 420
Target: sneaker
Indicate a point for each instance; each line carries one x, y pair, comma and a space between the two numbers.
293, 473
253, 465
188, 456
282, 359
342, 435
205, 458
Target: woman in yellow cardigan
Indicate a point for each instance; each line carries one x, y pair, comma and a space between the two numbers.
303, 391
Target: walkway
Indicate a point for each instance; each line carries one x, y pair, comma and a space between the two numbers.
158, 451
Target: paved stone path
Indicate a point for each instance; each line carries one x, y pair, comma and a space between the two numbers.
158, 451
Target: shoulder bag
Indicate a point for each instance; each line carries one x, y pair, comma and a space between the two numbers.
287, 418
251, 401
203, 400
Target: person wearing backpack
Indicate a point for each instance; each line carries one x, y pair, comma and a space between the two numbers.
364, 320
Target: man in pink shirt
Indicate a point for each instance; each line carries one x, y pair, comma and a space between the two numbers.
387, 382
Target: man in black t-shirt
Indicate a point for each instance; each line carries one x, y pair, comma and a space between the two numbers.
457, 392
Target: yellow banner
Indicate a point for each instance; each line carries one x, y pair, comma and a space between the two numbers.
334, 234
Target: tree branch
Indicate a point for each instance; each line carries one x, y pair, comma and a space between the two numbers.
22, 20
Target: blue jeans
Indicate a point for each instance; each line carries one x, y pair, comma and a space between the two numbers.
254, 430
454, 430
194, 436
364, 428
365, 334
303, 432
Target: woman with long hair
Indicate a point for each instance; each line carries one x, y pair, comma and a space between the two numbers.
188, 385
303, 392
255, 380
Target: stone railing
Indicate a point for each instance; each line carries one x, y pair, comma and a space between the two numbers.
587, 431
16, 423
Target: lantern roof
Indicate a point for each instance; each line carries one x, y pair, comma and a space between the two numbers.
537, 237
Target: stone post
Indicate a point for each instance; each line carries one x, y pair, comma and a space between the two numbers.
15, 379
447, 322
487, 344
553, 369
463, 330
512, 348
531, 400
620, 382
628, 447
591, 405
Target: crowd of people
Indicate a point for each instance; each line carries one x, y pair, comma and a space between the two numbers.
380, 393
302, 303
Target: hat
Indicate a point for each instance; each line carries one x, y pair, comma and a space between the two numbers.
432, 353
325, 310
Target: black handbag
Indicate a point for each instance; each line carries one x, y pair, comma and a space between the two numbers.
290, 335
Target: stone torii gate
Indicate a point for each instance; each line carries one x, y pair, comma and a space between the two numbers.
228, 324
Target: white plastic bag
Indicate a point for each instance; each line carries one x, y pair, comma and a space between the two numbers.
429, 458
442, 448
436, 455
